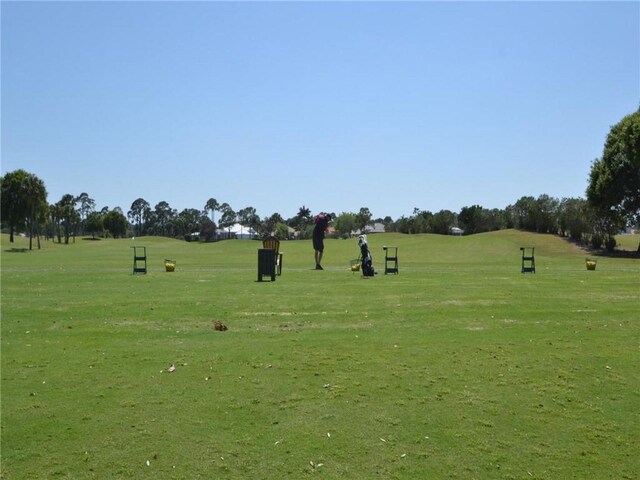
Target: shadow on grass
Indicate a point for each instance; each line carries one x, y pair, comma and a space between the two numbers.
614, 254
17, 250
603, 252
91, 239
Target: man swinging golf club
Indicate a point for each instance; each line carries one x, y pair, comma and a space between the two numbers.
321, 225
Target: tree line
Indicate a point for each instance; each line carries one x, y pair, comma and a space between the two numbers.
569, 217
612, 203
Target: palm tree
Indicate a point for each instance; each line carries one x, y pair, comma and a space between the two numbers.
247, 217
228, 216
12, 203
36, 201
87, 206
302, 219
140, 208
212, 206
68, 215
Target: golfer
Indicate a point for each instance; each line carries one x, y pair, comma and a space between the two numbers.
322, 224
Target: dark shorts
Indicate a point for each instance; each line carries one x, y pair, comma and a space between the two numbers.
318, 243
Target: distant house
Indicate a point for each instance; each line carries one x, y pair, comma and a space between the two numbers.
237, 231
374, 228
458, 232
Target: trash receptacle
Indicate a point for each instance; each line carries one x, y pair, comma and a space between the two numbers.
266, 263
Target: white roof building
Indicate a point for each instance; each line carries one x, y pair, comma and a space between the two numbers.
236, 231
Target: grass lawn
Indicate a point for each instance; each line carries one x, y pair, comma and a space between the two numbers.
458, 367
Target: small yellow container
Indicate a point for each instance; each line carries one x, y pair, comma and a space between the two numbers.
591, 264
170, 265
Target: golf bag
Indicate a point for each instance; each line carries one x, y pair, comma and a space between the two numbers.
365, 257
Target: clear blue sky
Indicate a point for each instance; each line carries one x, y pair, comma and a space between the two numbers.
335, 106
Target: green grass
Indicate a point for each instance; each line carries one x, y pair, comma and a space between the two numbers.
628, 242
458, 367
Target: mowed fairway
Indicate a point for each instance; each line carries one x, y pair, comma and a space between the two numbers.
458, 367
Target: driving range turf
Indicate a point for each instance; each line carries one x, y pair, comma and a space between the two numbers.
459, 367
